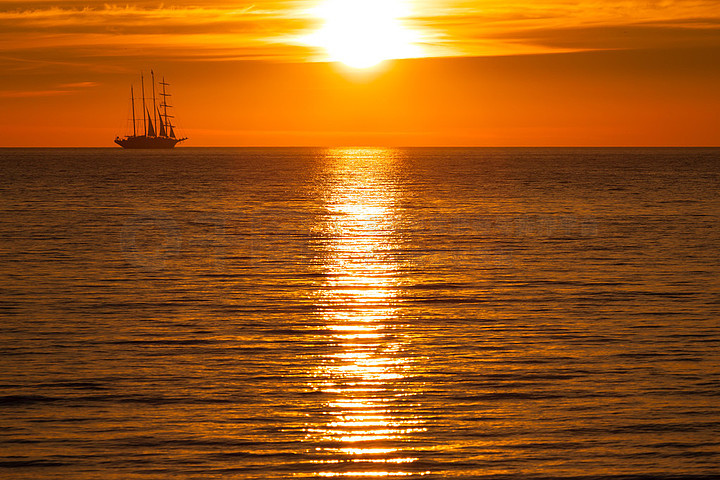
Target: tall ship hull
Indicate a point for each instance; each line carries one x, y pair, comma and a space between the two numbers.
147, 142
155, 130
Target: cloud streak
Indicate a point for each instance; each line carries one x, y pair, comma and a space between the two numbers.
62, 89
70, 32
31, 93
476, 28
175, 32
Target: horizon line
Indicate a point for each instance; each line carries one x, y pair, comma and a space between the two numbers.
369, 146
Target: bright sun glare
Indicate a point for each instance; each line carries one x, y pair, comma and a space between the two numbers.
363, 33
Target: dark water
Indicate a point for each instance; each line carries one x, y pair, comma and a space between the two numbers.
271, 314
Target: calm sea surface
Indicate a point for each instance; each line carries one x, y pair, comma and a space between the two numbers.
302, 313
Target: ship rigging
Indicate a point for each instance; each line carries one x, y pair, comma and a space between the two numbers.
158, 131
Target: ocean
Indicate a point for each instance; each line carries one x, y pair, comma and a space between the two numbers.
207, 313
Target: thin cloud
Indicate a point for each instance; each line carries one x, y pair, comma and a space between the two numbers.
63, 89
79, 85
31, 93
112, 19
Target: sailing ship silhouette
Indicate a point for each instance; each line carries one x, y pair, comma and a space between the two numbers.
157, 130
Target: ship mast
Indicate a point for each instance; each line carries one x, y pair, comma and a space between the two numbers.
154, 106
142, 84
132, 102
165, 107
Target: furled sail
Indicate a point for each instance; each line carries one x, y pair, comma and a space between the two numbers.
151, 129
162, 124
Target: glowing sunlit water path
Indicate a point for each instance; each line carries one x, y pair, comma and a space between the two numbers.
370, 413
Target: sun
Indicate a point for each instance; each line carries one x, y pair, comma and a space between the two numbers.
363, 33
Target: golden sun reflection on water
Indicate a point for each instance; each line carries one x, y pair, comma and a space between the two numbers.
368, 414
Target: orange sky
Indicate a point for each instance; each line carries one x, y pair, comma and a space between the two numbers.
485, 73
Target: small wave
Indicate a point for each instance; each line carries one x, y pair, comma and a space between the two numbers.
17, 400
31, 463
